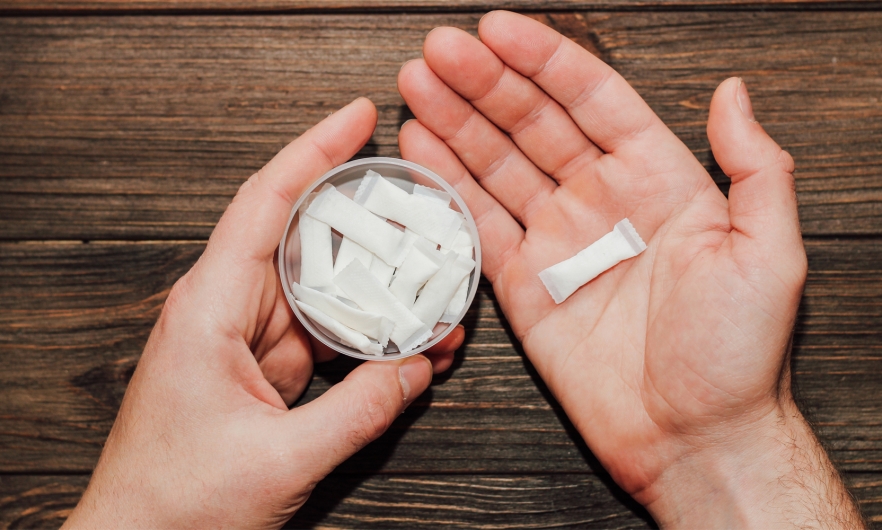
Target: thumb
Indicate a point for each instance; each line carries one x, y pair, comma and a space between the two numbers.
357, 410
762, 197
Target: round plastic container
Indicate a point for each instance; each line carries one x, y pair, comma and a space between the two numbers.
346, 179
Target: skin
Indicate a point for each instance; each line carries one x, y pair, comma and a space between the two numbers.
204, 437
673, 365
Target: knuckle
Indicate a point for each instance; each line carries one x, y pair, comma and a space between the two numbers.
178, 294
786, 161
793, 270
787, 166
249, 183
247, 188
265, 183
169, 322
800, 268
372, 415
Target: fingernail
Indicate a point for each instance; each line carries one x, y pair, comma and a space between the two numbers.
744, 101
415, 375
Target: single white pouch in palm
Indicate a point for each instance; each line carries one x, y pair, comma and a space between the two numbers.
421, 263
372, 325
316, 254
439, 290
347, 336
425, 216
364, 289
358, 224
563, 279
350, 250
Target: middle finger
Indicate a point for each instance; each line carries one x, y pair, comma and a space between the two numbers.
488, 153
540, 127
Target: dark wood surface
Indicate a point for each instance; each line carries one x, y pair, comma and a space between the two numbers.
144, 127
122, 139
75, 317
56, 7
410, 501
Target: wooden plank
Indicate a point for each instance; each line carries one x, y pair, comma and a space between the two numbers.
74, 319
415, 501
822, 106
144, 127
465, 501
387, 502
839, 368
56, 7
38, 501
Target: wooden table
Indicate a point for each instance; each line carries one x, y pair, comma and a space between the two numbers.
126, 127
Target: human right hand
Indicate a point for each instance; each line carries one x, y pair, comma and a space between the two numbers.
674, 365
204, 437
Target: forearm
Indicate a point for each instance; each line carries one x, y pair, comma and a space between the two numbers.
774, 474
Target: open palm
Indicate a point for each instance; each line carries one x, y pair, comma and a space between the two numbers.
664, 353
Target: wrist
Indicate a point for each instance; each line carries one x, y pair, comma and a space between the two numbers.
772, 472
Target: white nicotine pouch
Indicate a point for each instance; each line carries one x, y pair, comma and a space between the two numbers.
457, 303
358, 224
441, 197
347, 336
382, 271
564, 278
364, 289
316, 254
350, 250
421, 263
426, 216
462, 243
463, 246
372, 325
439, 290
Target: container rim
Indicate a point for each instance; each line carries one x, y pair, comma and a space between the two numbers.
373, 161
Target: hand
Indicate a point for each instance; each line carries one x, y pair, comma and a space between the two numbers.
674, 365
204, 437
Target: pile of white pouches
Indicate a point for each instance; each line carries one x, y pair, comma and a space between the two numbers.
386, 284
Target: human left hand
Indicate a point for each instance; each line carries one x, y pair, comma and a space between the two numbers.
204, 437
673, 366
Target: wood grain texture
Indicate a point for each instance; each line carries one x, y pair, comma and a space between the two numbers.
133, 128
144, 127
57, 7
75, 317
414, 501
38, 501
387, 502
830, 120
